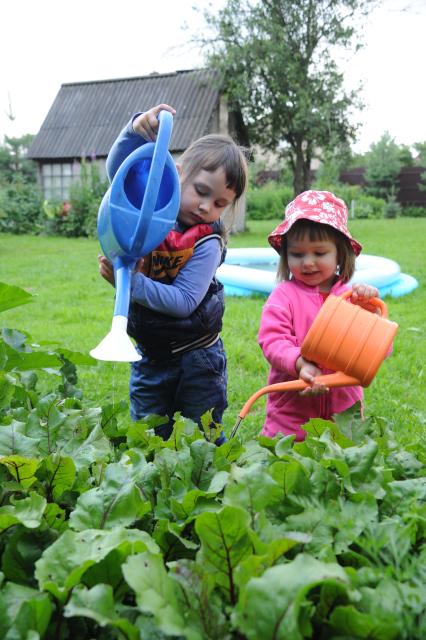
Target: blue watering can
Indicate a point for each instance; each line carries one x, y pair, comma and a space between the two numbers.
136, 214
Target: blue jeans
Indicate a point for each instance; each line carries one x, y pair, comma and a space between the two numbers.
192, 382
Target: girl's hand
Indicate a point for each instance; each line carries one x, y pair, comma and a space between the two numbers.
106, 269
308, 371
362, 293
146, 125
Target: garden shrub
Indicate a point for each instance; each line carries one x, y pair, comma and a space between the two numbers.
268, 202
368, 207
78, 216
21, 207
412, 211
392, 208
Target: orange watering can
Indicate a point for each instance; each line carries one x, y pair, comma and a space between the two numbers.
344, 337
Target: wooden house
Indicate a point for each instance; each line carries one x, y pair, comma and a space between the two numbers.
86, 117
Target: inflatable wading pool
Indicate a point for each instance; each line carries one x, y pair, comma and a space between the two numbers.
249, 271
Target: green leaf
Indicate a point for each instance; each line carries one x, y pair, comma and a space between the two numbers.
191, 504
116, 502
348, 621
76, 357
22, 549
58, 474
23, 610
408, 490
98, 604
28, 511
203, 469
284, 445
15, 339
316, 519
63, 564
109, 420
7, 384
227, 453
11, 296
22, 469
225, 542
54, 517
292, 477
252, 488
26, 361
170, 538
354, 516
200, 603
14, 441
87, 449
156, 593
270, 606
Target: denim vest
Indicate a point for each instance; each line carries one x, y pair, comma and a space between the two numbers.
160, 334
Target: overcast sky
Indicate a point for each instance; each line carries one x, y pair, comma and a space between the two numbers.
45, 43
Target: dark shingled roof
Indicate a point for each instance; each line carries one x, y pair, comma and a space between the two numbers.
86, 117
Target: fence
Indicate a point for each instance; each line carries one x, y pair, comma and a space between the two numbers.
409, 181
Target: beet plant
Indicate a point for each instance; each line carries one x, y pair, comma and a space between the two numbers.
107, 531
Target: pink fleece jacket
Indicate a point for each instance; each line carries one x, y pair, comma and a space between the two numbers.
286, 319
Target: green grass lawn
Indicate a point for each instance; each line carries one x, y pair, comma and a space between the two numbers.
74, 308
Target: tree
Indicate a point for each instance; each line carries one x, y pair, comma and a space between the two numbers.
20, 195
13, 161
383, 167
420, 147
275, 58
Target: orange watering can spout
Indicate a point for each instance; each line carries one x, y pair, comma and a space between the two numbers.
338, 379
345, 338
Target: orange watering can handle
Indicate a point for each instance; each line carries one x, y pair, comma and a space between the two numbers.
337, 379
377, 302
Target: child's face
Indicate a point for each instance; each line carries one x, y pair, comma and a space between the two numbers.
313, 262
204, 197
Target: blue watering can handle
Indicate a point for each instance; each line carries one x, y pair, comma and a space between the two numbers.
155, 175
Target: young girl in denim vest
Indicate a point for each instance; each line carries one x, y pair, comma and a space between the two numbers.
177, 304
317, 257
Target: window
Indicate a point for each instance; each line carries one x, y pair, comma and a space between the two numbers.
57, 178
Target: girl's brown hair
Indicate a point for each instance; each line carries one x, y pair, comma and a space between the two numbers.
317, 231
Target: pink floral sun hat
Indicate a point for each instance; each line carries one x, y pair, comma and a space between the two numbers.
319, 206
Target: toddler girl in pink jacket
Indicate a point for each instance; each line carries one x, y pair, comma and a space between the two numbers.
317, 257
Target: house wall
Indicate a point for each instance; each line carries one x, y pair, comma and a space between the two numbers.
219, 123
55, 178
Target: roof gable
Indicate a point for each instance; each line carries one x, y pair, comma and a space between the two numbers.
86, 117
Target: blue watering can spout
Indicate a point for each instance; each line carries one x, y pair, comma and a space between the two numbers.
136, 214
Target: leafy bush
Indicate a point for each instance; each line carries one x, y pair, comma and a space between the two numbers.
107, 531
268, 202
412, 211
368, 207
392, 208
21, 207
78, 217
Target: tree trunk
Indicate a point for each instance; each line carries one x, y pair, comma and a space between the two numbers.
301, 168
307, 169
298, 169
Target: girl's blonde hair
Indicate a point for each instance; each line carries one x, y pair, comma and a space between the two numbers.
317, 231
